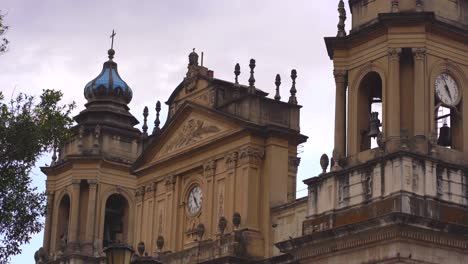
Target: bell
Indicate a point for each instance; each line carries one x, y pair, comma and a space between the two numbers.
444, 136
374, 124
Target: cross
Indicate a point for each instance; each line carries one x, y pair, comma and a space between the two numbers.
112, 37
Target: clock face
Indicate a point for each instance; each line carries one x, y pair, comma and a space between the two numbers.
194, 200
447, 90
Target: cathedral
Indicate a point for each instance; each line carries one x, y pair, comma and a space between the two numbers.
216, 183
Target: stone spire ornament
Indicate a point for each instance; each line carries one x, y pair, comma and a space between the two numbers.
252, 78
293, 91
341, 22
145, 119
277, 83
237, 73
157, 122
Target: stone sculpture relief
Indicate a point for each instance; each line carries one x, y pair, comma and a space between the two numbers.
193, 131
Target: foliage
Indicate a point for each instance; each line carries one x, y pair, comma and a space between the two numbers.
3, 28
27, 129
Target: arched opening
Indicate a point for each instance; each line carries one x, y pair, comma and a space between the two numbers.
369, 111
62, 223
448, 108
115, 220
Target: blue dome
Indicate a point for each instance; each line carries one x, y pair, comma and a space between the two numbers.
108, 85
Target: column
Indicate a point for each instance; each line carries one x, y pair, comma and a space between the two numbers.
48, 222
91, 213
340, 115
75, 206
420, 111
393, 96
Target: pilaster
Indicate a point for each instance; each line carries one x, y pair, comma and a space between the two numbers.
75, 206
421, 114
393, 100
91, 214
48, 221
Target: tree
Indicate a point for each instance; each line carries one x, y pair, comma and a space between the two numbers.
27, 130
3, 29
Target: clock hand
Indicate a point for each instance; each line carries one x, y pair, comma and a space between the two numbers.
195, 199
448, 91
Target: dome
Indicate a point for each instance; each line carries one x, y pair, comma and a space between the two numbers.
108, 85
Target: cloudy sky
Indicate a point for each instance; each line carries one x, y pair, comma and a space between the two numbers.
62, 45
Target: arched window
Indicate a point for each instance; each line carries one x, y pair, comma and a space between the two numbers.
62, 223
369, 109
115, 220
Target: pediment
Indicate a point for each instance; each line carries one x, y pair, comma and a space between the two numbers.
190, 130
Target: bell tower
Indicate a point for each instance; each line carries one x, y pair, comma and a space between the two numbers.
397, 190
89, 189
400, 76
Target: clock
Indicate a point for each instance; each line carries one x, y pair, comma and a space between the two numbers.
447, 90
194, 200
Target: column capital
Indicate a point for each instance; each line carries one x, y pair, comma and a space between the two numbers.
419, 53
209, 168
394, 53
92, 183
231, 159
76, 182
340, 75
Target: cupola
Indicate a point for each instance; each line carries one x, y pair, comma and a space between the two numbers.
108, 85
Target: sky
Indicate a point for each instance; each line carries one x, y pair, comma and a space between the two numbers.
62, 44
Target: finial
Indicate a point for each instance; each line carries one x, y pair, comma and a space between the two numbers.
141, 248
252, 78
237, 72
277, 83
193, 58
111, 51
341, 23
145, 119
160, 242
54, 156
222, 223
292, 98
157, 122
324, 161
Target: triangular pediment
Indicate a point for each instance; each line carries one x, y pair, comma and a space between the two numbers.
192, 128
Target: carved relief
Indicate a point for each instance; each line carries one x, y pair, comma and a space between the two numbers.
343, 190
160, 222
193, 131
231, 159
221, 201
251, 155
367, 184
440, 180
